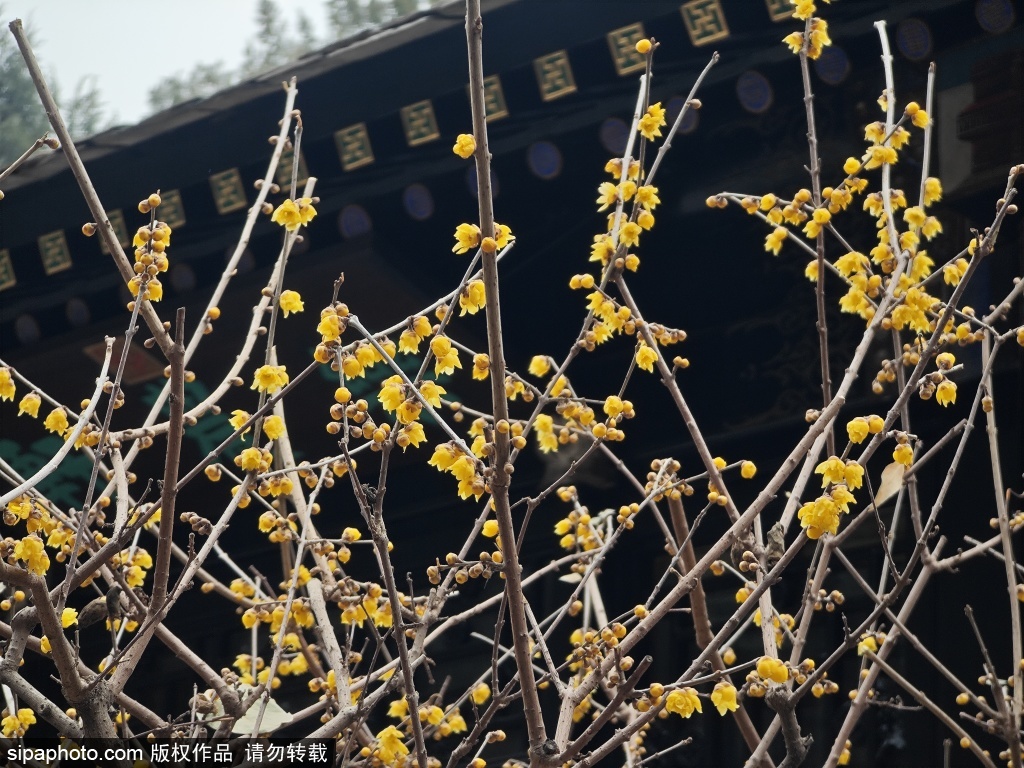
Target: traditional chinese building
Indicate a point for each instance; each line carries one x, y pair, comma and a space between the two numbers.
380, 112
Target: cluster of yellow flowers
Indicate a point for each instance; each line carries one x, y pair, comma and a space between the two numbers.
15, 725
448, 457
839, 478
151, 243
438, 722
300, 615
133, 563
817, 38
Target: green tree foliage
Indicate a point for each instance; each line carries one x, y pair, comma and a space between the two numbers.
275, 44
22, 120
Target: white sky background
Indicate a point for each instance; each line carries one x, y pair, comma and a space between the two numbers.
131, 45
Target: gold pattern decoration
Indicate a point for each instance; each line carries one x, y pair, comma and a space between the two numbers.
171, 210
554, 75
283, 177
353, 143
494, 99
705, 21
779, 10
228, 192
116, 219
53, 248
419, 123
622, 43
7, 278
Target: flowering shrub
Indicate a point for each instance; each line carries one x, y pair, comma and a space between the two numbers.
363, 645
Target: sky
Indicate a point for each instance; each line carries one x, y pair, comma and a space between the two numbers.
130, 45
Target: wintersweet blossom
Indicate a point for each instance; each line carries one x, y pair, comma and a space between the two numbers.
465, 146
945, 393
292, 214
683, 702
7, 388
56, 421
467, 236
269, 378
290, 302
652, 121
30, 404
724, 698
772, 669
646, 357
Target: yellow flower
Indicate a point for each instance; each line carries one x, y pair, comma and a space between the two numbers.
832, 470
647, 196
270, 378
630, 233
392, 393
408, 411
7, 387
238, 418
804, 9
291, 214
945, 393
390, 747
651, 123
683, 702
400, 707
795, 41
774, 241
30, 404
904, 454
539, 365
68, 617
481, 366
607, 195
291, 301
853, 474
932, 190
819, 517
724, 698
852, 262
920, 117
432, 392
867, 643
643, 46
467, 236
747, 470
472, 299
842, 497
273, 427
481, 693
646, 357
21, 507
30, 549
57, 421
879, 155
490, 529
602, 249
250, 459
857, 429
465, 146
447, 355
819, 38
772, 669
502, 235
